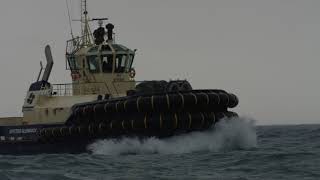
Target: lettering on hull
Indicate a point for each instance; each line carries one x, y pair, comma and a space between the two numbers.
22, 131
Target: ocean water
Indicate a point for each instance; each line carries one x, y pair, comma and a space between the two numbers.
234, 149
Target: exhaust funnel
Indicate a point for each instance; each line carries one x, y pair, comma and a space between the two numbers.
49, 65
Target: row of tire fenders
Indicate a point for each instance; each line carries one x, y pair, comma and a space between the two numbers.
136, 127
162, 103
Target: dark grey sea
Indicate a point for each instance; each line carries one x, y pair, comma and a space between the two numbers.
235, 150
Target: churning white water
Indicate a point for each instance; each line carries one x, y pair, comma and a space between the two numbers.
228, 134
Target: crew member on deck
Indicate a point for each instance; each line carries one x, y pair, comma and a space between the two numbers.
99, 34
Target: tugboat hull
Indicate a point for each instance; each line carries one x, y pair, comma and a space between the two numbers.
76, 134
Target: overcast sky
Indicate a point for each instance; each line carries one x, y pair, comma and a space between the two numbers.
265, 51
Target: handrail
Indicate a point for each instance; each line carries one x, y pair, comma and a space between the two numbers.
74, 44
62, 89
67, 89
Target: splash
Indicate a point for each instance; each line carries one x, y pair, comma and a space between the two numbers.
228, 134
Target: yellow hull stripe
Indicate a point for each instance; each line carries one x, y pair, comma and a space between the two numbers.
61, 131
84, 110
182, 99
152, 102
138, 104
161, 121
145, 122
207, 96
176, 121
117, 106
94, 109
202, 120
105, 107
168, 101
195, 98
125, 105
190, 120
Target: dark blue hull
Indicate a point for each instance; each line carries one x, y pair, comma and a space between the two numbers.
63, 138
23, 140
34, 147
27, 140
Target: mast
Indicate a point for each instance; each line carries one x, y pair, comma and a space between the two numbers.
86, 38
85, 28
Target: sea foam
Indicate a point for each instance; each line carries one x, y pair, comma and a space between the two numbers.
228, 134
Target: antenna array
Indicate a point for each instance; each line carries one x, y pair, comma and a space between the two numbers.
85, 28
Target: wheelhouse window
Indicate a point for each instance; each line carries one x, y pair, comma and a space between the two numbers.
73, 65
121, 61
93, 63
107, 63
129, 63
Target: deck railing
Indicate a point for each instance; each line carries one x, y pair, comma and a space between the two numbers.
73, 45
69, 89
62, 89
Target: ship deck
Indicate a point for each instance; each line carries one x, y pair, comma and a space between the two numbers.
10, 121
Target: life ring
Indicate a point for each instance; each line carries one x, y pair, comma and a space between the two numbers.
132, 73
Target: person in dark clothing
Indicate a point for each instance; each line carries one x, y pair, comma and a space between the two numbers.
99, 35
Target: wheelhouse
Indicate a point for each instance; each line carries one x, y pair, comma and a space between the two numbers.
106, 59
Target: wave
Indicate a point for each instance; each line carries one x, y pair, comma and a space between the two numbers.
228, 134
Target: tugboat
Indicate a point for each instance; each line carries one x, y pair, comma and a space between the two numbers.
104, 100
